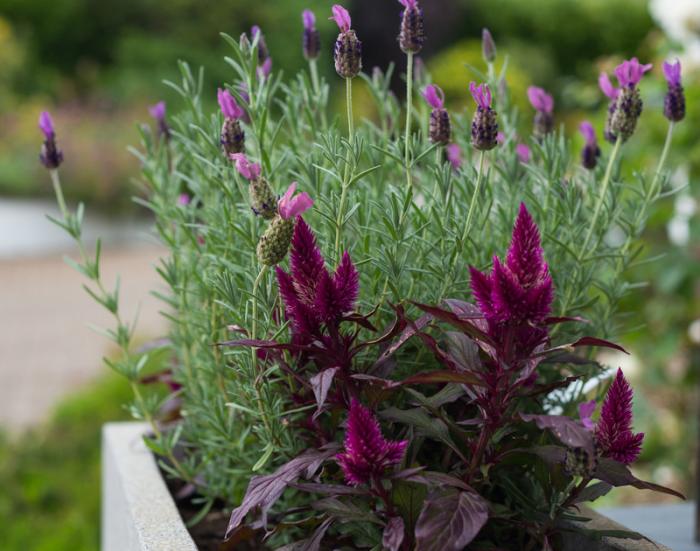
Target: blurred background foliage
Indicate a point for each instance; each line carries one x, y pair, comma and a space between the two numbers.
98, 65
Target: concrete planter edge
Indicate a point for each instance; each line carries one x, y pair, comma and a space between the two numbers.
139, 514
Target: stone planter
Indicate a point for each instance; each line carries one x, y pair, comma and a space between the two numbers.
139, 514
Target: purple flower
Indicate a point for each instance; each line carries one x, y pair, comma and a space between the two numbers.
265, 69
434, 96
183, 199
588, 132
454, 155
488, 46
342, 18
291, 206
672, 72
157, 111
229, 107
46, 125
263, 52
607, 86
523, 153
614, 429
367, 454
519, 292
50, 156
591, 151
250, 171
412, 33
409, 4
481, 95
309, 20
540, 99
585, 412
629, 73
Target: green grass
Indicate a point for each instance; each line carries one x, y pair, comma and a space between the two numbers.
50, 476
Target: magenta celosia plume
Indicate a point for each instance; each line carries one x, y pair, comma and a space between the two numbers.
540, 99
434, 96
367, 454
292, 205
311, 294
630, 72
517, 295
614, 429
229, 107
250, 171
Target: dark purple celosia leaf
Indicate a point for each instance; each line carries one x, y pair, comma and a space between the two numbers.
264, 491
367, 454
450, 520
618, 474
567, 431
393, 535
306, 262
614, 429
321, 384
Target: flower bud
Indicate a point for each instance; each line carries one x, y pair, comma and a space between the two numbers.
591, 151
412, 35
263, 52
488, 46
263, 201
628, 109
440, 128
51, 157
348, 48
543, 103
674, 102
274, 243
157, 111
311, 38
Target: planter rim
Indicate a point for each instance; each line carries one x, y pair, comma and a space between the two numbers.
138, 512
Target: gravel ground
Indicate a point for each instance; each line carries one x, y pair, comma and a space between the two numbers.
47, 347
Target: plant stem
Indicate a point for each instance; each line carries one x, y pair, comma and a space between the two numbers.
253, 335
409, 109
316, 84
347, 174
601, 197
56, 181
472, 204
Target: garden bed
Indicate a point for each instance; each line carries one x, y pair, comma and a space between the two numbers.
140, 513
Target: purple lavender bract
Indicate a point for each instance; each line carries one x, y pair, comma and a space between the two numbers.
484, 123
629, 104
348, 48
674, 102
367, 454
591, 151
50, 156
412, 35
311, 38
544, 107
440, 127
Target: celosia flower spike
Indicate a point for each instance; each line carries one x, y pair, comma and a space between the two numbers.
311, 38
674, 102
50, 156
484, 123
291, 206
250, 171
367, 454
614, 429
591, 151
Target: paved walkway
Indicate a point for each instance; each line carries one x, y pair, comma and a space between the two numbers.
47, 348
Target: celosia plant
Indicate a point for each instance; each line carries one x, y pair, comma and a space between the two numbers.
370, 375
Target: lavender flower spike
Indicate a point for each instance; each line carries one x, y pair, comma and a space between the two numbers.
412, 35
157, 111
440, 127
628, 106
674, 102
51, 157
367, 454
484, 123
614, 429
232, 135
348, 48
591, 151
611, 92
311, 38
544, 107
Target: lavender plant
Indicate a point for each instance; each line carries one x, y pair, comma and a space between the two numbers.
399, 400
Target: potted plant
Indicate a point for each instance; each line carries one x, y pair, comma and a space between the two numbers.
382, 342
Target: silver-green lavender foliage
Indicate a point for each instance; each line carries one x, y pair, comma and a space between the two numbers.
408, 242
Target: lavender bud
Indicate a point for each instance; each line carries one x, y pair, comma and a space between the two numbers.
591, 151
412, 35
232, 137
440, 128
263, 52
543, 124
311, 42
674, 102
262, 200
488, 46
348, 54
244, 43
274, 243
628, 109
